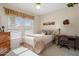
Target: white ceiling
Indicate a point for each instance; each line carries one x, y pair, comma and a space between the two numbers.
45, 7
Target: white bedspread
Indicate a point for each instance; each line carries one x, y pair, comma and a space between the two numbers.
33, 38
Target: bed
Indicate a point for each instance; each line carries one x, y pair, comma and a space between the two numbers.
37, 37
38, 41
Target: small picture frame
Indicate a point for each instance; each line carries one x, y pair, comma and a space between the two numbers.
66, 22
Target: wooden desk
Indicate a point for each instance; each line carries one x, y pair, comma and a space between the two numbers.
71, 38
74, 39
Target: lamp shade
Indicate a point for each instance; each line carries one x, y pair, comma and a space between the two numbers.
38, 5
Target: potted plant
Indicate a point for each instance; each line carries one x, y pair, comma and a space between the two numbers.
71, 4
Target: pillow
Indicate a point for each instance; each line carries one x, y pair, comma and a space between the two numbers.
47, 32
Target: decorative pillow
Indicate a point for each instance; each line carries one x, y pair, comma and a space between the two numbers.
48, 32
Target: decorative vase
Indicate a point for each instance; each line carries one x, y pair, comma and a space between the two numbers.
0, 30
3, 28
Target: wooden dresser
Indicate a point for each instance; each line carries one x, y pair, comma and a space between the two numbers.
4, 43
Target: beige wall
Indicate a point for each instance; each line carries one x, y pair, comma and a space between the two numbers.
58, 16
2, 16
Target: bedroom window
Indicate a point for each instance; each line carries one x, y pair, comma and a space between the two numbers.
11, 21
19, 25
17, 22
28, 26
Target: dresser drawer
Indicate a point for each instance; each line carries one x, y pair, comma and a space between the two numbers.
6, 44
4, 37
0, 45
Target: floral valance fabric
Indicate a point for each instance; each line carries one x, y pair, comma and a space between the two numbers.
17, 13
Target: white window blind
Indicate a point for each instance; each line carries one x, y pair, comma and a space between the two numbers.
18, 26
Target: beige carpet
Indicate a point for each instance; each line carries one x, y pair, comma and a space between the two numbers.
55, 50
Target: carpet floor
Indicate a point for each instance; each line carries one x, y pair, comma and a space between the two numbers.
55, 50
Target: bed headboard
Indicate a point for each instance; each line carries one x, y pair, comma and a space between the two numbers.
48, 32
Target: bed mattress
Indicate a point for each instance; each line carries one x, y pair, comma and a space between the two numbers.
37, 37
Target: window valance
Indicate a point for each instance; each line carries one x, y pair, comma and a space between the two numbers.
17, 13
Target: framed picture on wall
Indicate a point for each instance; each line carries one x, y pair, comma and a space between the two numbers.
66, 22
49, 23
